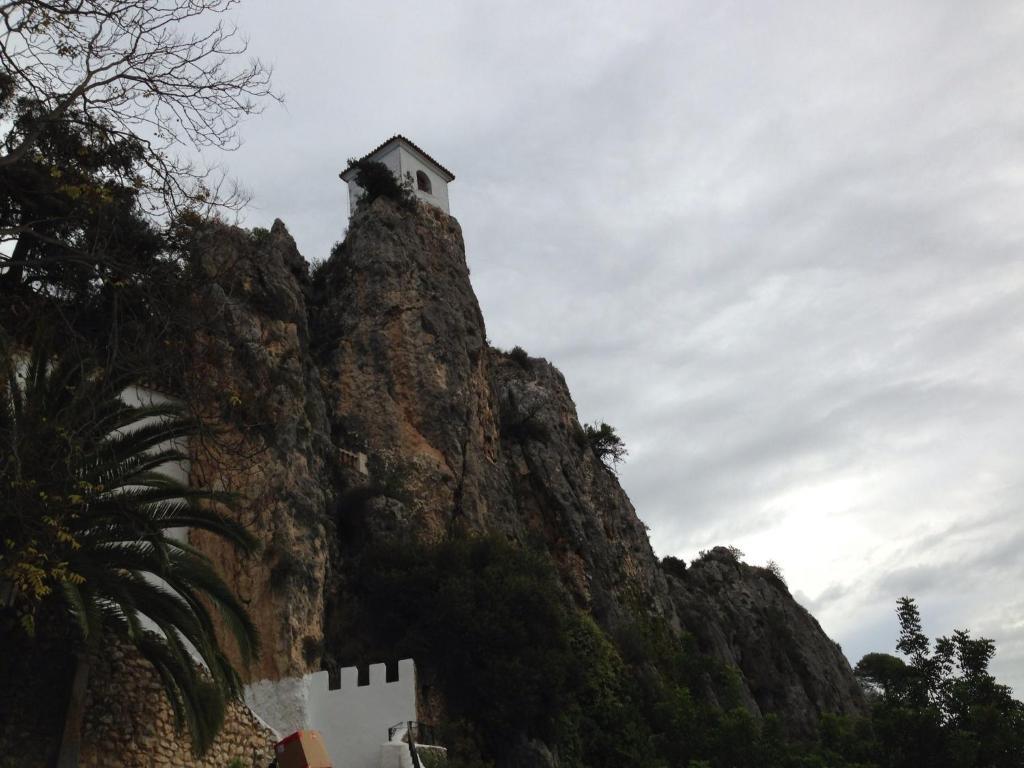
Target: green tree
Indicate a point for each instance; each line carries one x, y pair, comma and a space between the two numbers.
883, 677
940, 706
71, 206
915, 646
101, 103
489, 619
171, 73
87, 515
606, 445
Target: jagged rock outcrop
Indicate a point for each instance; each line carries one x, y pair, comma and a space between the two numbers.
402, 349
385, 352
476, 439
745, 616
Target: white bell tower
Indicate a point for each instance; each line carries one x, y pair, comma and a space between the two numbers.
429, 178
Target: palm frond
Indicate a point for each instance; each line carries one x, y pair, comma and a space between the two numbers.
99, 469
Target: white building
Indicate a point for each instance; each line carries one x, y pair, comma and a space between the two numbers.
362, 726
429, 178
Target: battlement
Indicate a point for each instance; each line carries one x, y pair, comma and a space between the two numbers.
371, 674
353, 718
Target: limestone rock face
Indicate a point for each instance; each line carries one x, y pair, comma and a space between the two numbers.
476, 439
472, 438
745, 616
384, 352
252, 373
401, 340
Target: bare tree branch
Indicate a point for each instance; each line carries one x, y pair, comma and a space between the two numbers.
145, 68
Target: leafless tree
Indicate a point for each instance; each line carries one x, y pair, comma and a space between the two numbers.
165, 72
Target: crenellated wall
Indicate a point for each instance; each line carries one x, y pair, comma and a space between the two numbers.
353, 719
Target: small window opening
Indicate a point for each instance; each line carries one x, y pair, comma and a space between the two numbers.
423, 182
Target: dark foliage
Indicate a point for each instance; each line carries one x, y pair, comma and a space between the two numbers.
87, 520
377, 180
86, 258
490, 623
773, 572
486, 618
727, 554
940, 707
520, 356
606, 445
674, 566
883, 677
73, 206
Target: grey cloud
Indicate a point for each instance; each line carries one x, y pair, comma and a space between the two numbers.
775, 245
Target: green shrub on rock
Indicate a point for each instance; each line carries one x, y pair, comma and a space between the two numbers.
607, 446
377, 180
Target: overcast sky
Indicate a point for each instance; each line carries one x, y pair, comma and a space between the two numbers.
777, 245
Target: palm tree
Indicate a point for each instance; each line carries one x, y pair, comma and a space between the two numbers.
87, 519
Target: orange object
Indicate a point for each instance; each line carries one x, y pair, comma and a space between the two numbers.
303, 749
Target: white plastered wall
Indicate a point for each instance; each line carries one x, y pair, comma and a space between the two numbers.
410, 162
353, 719
176, 470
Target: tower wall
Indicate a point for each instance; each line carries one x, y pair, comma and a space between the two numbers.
410, 163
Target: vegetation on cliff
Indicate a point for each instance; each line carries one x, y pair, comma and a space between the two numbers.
607, 446
377, 180
520, 664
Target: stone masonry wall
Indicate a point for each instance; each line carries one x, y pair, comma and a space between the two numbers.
129, 723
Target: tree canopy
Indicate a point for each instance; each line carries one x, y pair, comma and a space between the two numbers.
158, 72
939, 705
106, 110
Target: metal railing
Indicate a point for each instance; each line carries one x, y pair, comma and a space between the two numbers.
415, 733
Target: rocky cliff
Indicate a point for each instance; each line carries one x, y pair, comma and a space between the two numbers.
253, 375
384, 352
470, 438
478, 440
